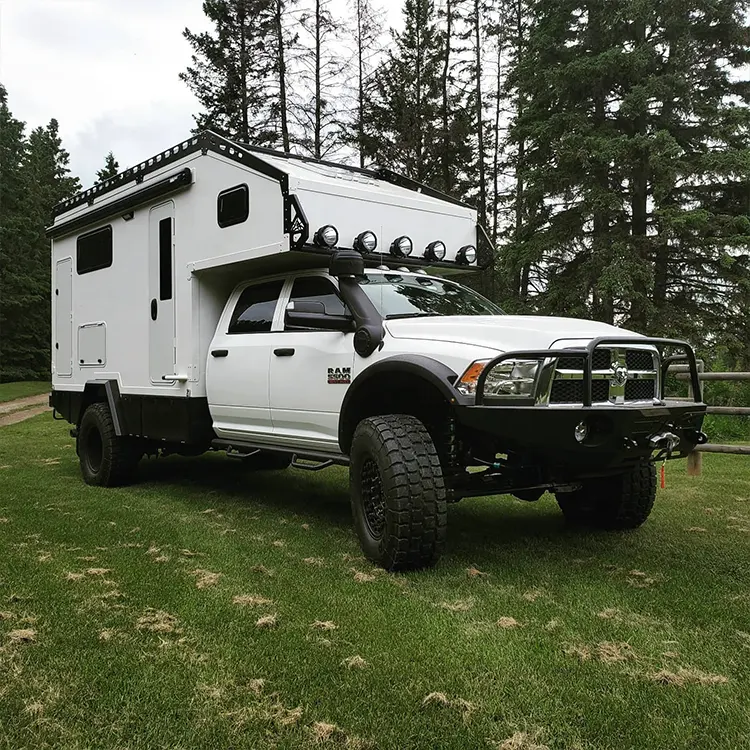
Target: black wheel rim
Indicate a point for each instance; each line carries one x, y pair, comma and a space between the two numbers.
94, 450
373, 502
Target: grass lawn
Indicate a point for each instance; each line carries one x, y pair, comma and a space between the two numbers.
210, 607
11, 391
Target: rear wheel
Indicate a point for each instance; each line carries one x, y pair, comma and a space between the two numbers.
397, 492
107, 460
613, 503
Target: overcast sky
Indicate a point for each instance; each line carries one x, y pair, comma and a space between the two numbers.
107, 70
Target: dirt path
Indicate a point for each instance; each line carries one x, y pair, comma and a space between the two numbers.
21, 414
23, 403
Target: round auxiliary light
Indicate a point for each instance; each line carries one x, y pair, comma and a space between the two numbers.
366, 242
402, 247
326, 236
435, 250
581, 431
466, 255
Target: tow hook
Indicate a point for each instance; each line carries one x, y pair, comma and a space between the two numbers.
665, 441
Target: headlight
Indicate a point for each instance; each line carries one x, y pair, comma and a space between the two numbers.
366, 242
514, 377
326, 236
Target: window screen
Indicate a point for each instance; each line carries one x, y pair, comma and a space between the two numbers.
165, 259
233, 206
255, 308
94, 250
318, 289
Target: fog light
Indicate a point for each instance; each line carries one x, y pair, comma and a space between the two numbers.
326, 236
366, 242
581, 431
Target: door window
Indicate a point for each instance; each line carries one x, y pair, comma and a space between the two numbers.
318, 289
255, 308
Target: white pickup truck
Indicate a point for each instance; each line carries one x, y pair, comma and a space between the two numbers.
211, 326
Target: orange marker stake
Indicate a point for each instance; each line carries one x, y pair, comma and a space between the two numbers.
663, 478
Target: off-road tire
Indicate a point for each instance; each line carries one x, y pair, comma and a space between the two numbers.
107, 460
612, 503
267, 461
397, 493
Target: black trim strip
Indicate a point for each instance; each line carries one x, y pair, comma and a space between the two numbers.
172, 184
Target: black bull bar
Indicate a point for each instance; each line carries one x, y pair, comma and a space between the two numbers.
586, 354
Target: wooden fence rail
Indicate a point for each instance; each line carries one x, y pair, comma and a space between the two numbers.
681, 372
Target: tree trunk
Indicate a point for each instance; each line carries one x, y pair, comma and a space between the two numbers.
282, 76
480, 119
318, 104
361, 93
245, 125
446, 67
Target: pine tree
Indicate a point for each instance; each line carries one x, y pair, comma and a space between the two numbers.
110, 168
368, 22
232, 71
16, 279
405, 110
635, 135
320, 66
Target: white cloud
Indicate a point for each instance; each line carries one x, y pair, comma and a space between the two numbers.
107, 70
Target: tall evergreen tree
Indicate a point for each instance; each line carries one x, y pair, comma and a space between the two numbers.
321, 66
405, 110
232, 69
110, 168
633, 125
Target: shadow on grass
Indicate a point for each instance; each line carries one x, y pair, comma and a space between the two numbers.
478, 529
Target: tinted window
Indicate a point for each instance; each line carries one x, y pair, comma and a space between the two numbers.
255, 308
165, 259
94, 250
318, 289
233, 206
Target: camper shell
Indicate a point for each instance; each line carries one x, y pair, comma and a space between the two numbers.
143, 263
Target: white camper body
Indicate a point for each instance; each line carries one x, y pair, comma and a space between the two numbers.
142, 269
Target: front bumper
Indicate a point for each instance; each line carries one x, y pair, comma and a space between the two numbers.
618, 434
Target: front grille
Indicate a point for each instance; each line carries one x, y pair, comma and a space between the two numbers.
640, 390
568, 389
571, 391
602, 361
639, 360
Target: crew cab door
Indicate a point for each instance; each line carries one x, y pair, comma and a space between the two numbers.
310, 370
238, 362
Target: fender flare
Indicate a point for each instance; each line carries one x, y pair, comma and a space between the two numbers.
431, 370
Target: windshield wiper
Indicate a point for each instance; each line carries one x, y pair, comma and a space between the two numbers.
402, 316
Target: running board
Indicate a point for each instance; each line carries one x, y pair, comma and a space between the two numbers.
245, 447
297, 464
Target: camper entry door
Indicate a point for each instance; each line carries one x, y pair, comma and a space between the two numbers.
161, 344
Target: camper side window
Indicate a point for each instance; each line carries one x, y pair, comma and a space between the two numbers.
94, 250
255, 308
233, 206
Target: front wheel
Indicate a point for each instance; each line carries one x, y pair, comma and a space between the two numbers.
397, 492
614, 503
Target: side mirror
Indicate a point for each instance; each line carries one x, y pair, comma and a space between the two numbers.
312, 314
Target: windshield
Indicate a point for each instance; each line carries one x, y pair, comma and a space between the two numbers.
398, 295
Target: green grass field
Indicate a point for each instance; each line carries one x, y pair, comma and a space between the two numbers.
11, 391
208, 607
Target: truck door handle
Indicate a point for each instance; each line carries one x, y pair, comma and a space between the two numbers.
154, 309
219, 352
284, 352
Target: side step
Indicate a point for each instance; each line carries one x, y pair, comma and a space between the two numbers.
306, 465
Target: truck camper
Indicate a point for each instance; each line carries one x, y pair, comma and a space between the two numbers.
296, 312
